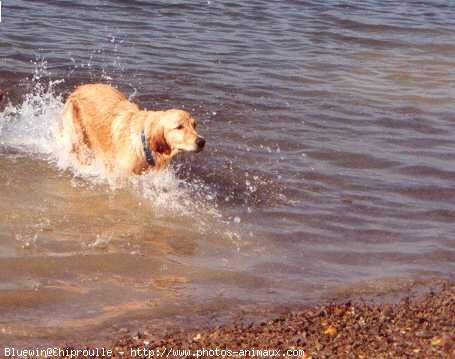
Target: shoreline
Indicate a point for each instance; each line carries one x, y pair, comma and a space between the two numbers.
420, 326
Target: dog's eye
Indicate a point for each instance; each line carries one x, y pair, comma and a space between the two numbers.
180, 127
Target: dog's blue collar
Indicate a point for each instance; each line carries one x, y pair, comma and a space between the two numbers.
147, 151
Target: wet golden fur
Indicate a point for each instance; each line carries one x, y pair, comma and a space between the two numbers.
100, 122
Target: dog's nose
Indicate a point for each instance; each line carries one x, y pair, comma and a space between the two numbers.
200, 142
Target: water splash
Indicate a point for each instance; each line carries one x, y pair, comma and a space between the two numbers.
31, 126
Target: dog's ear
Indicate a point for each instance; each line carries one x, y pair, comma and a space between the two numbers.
157, 140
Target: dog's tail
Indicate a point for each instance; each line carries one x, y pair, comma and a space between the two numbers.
73, 129
74, 134
71, 110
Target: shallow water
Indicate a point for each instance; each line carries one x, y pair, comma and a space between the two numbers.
330, 158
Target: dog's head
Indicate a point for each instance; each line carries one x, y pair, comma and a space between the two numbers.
175, 131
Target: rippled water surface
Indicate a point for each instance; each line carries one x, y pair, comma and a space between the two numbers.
330, 158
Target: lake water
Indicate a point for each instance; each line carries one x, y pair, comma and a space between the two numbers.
330, 159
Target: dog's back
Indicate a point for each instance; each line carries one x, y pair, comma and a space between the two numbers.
89, 117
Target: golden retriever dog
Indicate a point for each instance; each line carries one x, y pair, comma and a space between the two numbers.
100, 123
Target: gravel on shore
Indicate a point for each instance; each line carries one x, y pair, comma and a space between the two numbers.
413, 328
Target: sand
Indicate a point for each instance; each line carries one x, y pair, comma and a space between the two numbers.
418, 327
